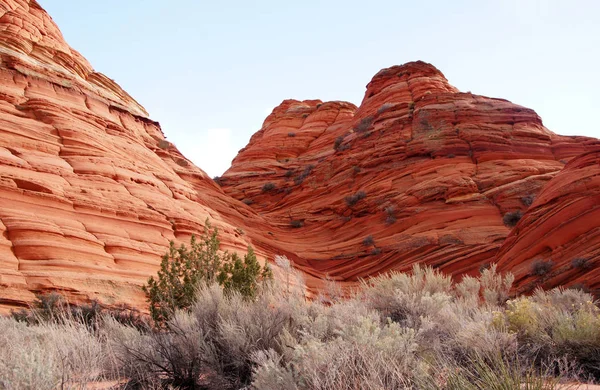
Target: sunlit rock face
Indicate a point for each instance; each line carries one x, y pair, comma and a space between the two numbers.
439, 170
561, 229
91, 192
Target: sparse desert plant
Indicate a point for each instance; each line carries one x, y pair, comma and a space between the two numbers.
296, 223
338, 143
511, 218
353, 199
364, 124
209, 347
218, 180
304, 174
247, 201
48, 355
368, 241
164, 144
291, 134
541, 267
384, 107
580, 262
390, 212
417, 330
527, 200
268, 187
49, 307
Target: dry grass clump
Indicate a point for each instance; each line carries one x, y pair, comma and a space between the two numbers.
49, 355
417, 330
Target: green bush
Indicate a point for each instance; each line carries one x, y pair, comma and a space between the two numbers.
182, 270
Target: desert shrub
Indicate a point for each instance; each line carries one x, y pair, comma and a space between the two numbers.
390, 212
368, 241
54, 308
557, 324
296, 223
541, 267
511, 218
406, 298
580, 286
304, 174
498, 373
291, 134
353, 199
48, 355
451, 155
580, 262
364, 124
289, 173
247, 201
164, 144
338, 143
495, 287
211, 346
218, 180
527, 200
182, 270
367, 355
268, 187
49, 307
384, 107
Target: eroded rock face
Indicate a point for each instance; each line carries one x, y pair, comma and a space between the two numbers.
91, 192
438, 169
557, 242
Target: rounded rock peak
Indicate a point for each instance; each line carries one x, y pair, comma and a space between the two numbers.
408, 82
413, 68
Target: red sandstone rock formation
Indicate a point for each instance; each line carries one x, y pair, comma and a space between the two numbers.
562, 229
91, 192
439, 170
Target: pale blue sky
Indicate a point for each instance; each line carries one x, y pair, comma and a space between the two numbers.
210, 71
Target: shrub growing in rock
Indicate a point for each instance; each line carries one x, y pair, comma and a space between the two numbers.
296, 223
511, 218
580, 262
304, 174
353, 199
364, 124
527, 200
368, 241
182, 270
541, 267
268, 187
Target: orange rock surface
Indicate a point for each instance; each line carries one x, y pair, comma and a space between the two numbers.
439, 169
91, 192
561, 228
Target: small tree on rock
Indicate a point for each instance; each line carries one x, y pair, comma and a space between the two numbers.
182, 270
